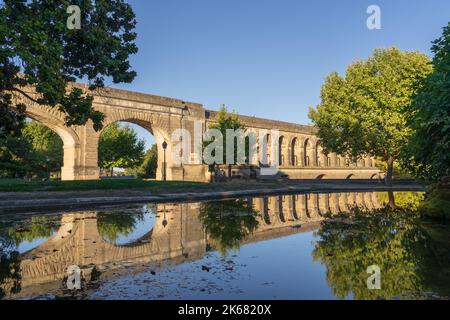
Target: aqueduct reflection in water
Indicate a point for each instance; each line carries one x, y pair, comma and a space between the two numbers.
177, 235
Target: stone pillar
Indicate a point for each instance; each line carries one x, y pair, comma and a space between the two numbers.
88, 160
69, 169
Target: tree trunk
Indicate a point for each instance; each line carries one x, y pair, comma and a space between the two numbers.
112, 171
391, 199
229, 172
389, 170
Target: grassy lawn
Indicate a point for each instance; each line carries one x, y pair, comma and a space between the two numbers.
19, 185
13, 185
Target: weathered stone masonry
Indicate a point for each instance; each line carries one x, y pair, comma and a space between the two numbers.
300, 154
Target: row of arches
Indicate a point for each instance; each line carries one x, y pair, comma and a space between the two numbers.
70, 146
308, 152
283, 209
81, 145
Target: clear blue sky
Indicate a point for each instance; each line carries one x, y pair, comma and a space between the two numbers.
267, 58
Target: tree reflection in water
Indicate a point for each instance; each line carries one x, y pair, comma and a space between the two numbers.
9, 273
228, 222
396, 240
11, 236
113, 225
37, 227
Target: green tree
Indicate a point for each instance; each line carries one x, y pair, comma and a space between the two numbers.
112, 225
119, 147
365, 112
427, 155
392, 239
38, 50
224, 121
10, 276
228, 223
37, 227
14, 154
149, 165
47, 148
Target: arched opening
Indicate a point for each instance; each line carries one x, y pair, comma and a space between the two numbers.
306, 199
280, 208
374, 176
128, 226
128, 149
294, 160
24, 233
317, 203
40, 153
349, 176
265, 207
281, 147
307, 150
320, 177
294, 199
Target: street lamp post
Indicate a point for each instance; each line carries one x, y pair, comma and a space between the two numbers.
164, 146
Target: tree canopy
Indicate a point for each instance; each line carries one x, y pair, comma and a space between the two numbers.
46, 152
37, 152
224, 121
14, 153
120, 147
111, 226
149, 165
228, 222
428, 152
410, 257
365, 112
38, 50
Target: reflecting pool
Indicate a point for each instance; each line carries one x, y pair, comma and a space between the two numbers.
301, 246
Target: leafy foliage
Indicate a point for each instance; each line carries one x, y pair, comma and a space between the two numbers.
393, 239
437, 201
37, 152
14, 152
428, 152
10, 277
149, 165
226, 120
47, 148
403, 199
120, 147
228, 222
38, 227
112, 225
365, 112
37, 49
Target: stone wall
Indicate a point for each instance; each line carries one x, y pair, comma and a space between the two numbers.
300, 155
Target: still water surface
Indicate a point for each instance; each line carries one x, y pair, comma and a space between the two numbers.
280, 247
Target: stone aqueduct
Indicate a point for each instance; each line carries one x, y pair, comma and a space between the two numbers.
182, 238
300, 154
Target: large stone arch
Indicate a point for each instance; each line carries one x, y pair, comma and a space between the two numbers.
54, 120
156, 125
